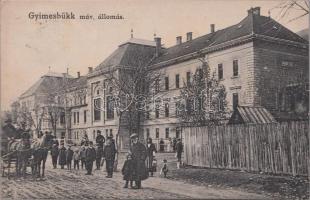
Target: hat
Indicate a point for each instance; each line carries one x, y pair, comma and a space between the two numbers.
134, 135
90, 143
86, 143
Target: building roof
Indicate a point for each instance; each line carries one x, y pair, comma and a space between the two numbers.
77, 83
44, 85
251, 115
135, 52
252, 24
304, 33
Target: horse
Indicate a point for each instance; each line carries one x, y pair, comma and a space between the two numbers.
40, 150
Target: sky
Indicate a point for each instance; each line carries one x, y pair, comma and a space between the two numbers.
30, 47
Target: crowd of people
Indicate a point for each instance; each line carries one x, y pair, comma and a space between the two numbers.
140, 160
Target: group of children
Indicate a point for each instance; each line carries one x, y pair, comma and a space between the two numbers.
84, 155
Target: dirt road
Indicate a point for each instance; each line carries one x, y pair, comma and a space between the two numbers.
64, 184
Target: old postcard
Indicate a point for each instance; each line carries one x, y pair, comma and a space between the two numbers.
168, 99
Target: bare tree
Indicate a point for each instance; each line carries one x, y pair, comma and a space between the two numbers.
203, 99
53, 111
284, 8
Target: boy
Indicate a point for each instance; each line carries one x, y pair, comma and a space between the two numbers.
164, 169
109, 156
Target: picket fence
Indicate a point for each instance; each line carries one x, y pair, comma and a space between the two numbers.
279, 148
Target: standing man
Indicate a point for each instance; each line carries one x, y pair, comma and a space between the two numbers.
90, 157
109, 156
99, 152
54, 154
62, 156
139, 155
100, 140
179, 149
69, 157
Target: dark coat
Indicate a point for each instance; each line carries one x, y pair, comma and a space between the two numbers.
128, 170
179, 149
90, 154
149, 160
99, 152
55, 151
109, 152
83, 154
100, 140
62, 156
69, 155
139, 155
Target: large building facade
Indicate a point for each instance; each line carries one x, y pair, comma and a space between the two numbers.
260, 62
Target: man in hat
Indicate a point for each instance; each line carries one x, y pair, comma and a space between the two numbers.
99, 152
109, 156
100, 140
54, 154
139, 155
179, 150
69, 156
90, 157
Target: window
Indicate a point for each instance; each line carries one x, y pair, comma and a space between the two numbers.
177, 132
235, 68
220, 71
177, 81
111, 132
78, 117
97, 106
177, 108
62, 118
235, 100
85, 116
157, 132
188, 78
74, 117
147, 133
156, 86
167, 83
157, 112
147, 114
166, 110
110, 107
221, 104
167, 133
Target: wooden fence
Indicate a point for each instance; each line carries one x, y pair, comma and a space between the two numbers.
280, 148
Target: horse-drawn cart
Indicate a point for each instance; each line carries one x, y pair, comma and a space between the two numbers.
12, 161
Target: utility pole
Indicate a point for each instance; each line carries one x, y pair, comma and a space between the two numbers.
66, 113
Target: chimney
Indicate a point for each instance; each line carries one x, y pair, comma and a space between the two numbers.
158, 46
78, 74
212, 27
90, 69
179, 40
254, 11
189, 36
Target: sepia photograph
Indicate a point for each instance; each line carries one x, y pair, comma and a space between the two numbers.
167, 99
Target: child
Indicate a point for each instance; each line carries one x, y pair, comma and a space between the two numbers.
154, 165
76, 159
127, 170
164, 169
83, 156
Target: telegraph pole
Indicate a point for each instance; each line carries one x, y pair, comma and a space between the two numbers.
66, 113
